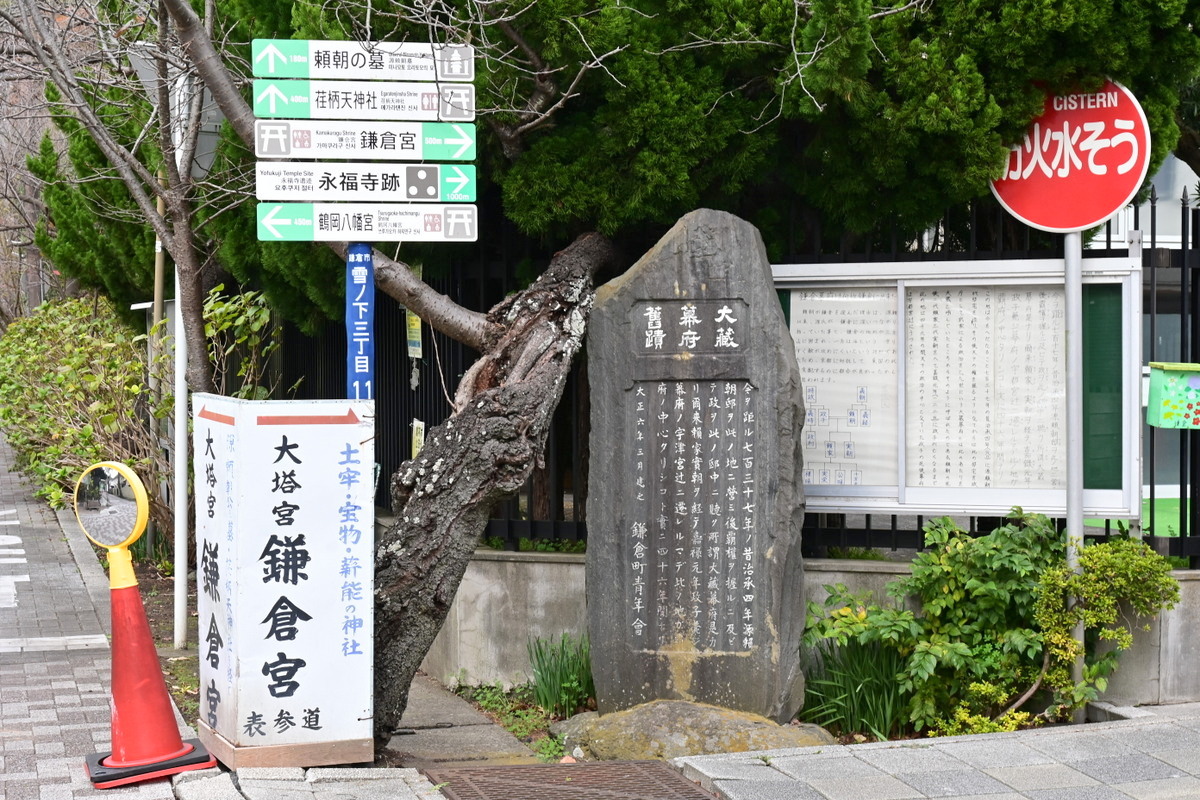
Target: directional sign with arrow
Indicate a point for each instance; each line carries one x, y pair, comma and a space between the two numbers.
378, 141
391, 61
307, 181
367, 222
378, 100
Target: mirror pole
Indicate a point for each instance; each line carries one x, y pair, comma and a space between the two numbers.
120, 568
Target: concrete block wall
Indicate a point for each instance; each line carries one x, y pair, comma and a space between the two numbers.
504, 601
507, 599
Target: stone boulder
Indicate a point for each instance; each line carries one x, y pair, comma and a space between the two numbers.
666, 729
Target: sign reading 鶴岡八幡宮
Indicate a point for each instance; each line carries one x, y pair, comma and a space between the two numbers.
371, 222
284, 542
1081, 162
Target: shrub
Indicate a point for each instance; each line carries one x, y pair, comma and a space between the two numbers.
73, 391
241, 342
994, 627
1118, 577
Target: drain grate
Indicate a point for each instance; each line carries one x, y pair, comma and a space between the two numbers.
611, 780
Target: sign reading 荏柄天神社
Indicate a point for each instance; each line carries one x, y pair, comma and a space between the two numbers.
284, 538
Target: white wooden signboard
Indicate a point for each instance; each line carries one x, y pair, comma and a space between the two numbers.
939, 387
284, 540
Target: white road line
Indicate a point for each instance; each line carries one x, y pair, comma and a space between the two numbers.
44, 643
8, 589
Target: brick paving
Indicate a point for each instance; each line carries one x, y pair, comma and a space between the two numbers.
55, 663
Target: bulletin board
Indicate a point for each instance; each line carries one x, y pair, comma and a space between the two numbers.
940, 387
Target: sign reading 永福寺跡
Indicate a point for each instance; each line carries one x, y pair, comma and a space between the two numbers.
414, 183
285, 499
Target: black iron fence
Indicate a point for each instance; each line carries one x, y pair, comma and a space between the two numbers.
552, 505
1171, 333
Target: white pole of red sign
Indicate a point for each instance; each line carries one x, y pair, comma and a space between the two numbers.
1081, 162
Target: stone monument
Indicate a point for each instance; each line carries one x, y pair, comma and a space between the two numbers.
694, 575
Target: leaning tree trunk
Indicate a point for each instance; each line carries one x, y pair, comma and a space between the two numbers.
481, 454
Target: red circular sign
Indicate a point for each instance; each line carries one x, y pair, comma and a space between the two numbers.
1081, 162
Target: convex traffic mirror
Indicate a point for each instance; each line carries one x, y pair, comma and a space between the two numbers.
111, 505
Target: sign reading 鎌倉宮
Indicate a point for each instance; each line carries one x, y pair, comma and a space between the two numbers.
284, 540
694, 570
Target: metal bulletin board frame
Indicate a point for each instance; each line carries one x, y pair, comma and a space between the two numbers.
939, 387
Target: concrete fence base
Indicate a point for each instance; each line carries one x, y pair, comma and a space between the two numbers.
508, 599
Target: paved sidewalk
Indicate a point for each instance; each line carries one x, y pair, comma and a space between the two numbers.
54, 657
1153, 756
55, 668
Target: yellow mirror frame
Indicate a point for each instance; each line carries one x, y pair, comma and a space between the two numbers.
120, 562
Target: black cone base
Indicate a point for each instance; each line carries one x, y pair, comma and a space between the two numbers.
103, 777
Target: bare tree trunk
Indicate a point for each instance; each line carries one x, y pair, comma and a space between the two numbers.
482, 453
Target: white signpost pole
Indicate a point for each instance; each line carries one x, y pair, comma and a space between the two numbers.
1073, 278
1081, 162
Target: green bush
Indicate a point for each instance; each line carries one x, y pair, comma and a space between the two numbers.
73, 391
1118, 577
241, 342
993, 628
562, 674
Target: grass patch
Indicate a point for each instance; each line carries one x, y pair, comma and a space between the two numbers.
517, 711
562, 674
853, 688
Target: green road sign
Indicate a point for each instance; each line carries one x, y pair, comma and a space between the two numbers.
390, 61
367, 222
354, 100
350, 181
377, 141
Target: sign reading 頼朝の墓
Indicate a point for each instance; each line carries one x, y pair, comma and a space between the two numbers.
284, 540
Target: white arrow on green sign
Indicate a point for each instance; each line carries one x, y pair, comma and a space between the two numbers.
391, 100
344, 181
391, 61
381, 141
367, 222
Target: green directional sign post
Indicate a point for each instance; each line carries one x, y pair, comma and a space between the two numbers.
391, 61
350, 181
380, 100
377, 141
336, 114
367, 222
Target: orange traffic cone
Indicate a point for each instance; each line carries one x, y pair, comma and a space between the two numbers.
145, 737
